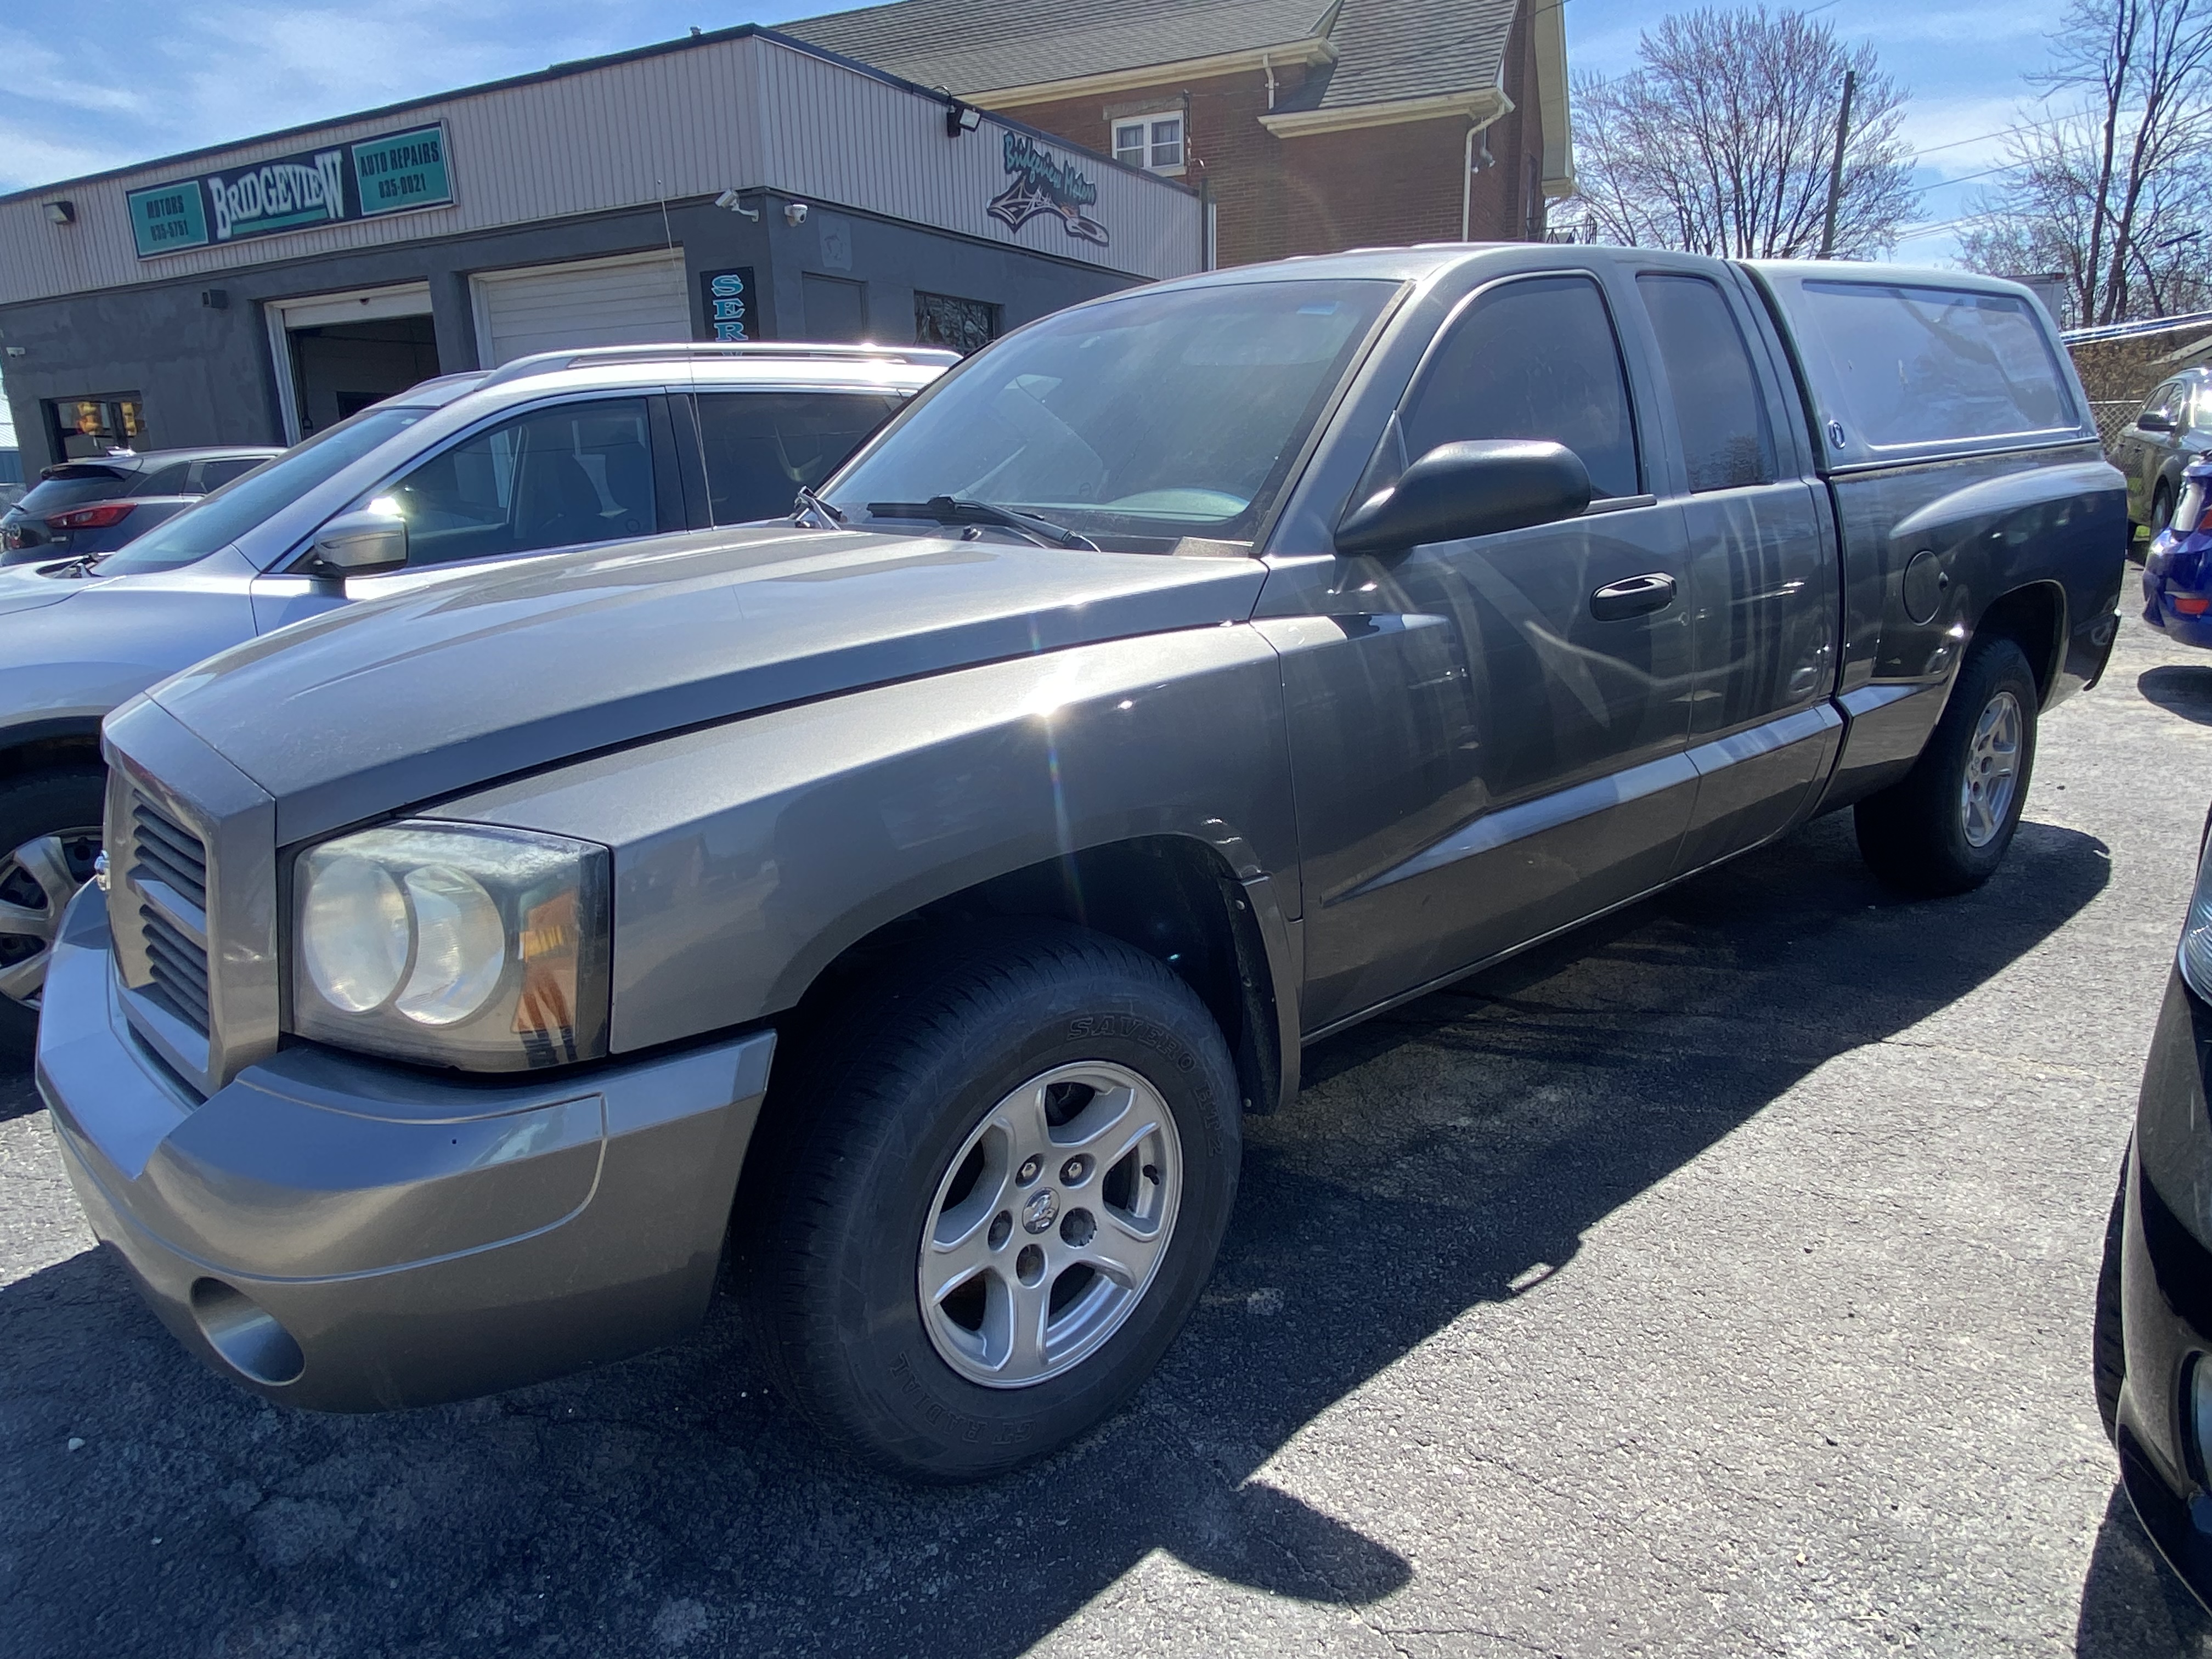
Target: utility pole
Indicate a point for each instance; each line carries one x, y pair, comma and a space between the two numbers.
1835, 167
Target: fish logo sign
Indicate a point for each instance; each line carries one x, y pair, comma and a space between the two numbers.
1044, 183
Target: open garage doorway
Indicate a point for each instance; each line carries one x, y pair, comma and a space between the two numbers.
338, 353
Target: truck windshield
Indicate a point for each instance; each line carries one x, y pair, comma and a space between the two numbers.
1136, 423
218, 519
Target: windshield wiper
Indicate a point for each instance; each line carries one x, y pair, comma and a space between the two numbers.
944, 509
808, 501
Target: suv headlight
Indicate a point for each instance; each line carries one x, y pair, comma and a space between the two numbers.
482, 948
2195, 956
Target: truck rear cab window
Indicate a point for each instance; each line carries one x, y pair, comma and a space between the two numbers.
762, 447
1914, 365
1719, 409
1532, 358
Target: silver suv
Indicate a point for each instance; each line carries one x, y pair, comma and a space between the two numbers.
560, 450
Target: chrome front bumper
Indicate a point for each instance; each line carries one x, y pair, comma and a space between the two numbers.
345, 1234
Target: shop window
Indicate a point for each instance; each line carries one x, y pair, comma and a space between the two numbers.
1154, 143
944, 320
81, 426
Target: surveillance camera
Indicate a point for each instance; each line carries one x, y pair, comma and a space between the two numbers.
728, 198
794, 214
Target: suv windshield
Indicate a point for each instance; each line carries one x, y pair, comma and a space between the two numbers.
1138, 421
221, 518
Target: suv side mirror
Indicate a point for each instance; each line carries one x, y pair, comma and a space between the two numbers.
2154, 420
361, 544
1471, 488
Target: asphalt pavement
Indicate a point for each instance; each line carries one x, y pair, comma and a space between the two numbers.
1713, 1282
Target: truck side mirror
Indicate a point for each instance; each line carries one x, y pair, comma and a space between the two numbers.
1471, 488
2154, 420
361, 544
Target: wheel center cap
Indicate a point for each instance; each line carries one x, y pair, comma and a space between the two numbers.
1041, 1210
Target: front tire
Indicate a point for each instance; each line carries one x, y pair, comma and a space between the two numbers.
993, 1184
1945, 826
49, 836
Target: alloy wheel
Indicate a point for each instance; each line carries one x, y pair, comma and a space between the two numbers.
37, 881
1049, 1225
1992, 769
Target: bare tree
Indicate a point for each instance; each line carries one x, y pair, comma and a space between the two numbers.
1720, 141
2110, 193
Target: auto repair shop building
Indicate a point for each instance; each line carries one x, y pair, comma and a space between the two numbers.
737, 185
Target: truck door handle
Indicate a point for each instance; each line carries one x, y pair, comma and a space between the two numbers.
1632, 597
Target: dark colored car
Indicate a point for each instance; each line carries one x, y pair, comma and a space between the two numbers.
2153, 1317
912, 895
2177, 569
96, 505
2173, 429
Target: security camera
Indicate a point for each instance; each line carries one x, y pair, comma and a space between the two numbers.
794, 214
728, 199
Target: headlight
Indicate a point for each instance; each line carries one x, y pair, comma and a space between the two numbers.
476, 947
2194, 957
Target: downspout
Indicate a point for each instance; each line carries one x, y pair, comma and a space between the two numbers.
1466, 185
1268, 64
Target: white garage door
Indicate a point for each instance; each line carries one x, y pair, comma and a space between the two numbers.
635, 300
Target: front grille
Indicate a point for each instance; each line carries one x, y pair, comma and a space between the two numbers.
167, 852
164, 851
178, 966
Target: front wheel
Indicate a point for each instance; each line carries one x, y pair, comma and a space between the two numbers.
1945, 826
989, 1196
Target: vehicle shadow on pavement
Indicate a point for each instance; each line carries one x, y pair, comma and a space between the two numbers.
2179, 688
2131, 1604
1442, 1157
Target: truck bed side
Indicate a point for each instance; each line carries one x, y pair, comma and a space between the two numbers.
1972, 497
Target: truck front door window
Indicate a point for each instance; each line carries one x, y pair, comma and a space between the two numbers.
564, 476
1535, 358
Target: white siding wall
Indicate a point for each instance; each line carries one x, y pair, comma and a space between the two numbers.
748, 112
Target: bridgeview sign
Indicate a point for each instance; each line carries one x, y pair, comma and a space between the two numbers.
392, 172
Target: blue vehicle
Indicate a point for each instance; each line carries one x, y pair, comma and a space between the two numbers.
2178, 570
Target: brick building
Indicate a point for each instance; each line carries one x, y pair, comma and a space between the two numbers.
1309, 126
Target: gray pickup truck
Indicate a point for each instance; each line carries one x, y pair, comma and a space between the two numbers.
896, 906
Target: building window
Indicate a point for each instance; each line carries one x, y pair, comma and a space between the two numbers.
1154, 143
92, 426
943, 319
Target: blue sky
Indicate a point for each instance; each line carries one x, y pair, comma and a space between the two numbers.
156, 76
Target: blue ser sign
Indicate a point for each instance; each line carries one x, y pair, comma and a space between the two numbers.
390, 173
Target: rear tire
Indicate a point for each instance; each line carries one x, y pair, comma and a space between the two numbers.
929, 1174
1945, 826
49, 836
2107, 1336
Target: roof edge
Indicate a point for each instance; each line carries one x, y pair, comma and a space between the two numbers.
1482, 107
1310, 50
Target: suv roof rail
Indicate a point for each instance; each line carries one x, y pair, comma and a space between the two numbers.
690, 350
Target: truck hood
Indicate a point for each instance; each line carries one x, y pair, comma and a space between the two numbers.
403, 700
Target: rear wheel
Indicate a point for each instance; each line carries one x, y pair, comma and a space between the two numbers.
989, 1197
1945, 826
49, 837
